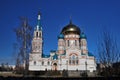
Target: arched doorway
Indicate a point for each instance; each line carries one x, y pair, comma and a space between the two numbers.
55, 66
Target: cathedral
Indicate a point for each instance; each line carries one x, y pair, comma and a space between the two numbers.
71, 54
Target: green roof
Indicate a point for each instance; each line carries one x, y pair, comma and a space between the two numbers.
45, 56
90, 54
53, 51
83, 36
61, 36
55, 57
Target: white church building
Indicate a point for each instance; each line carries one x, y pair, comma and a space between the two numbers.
72, 52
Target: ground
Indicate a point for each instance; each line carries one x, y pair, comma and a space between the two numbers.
12, 76
6, 74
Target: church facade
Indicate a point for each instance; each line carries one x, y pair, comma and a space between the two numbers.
72, 52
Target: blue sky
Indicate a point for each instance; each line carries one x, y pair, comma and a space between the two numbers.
92, 16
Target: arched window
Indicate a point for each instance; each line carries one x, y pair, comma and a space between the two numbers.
70, 60
73, 60
36, 34
75, 42
40, 35
77, 60
42, 63
68, 42
34, 62
48, 63
36, 47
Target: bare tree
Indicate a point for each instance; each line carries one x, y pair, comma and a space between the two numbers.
15, 52
24, 37
108, 52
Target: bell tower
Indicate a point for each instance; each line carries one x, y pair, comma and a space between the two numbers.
37, 42
83, 43
61, 44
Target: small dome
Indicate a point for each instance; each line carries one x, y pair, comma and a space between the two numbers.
55, 57
61, 36
71, 28
90, 54
82, 36
53, 51
45, 56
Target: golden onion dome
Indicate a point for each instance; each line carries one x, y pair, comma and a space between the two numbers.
71, 28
